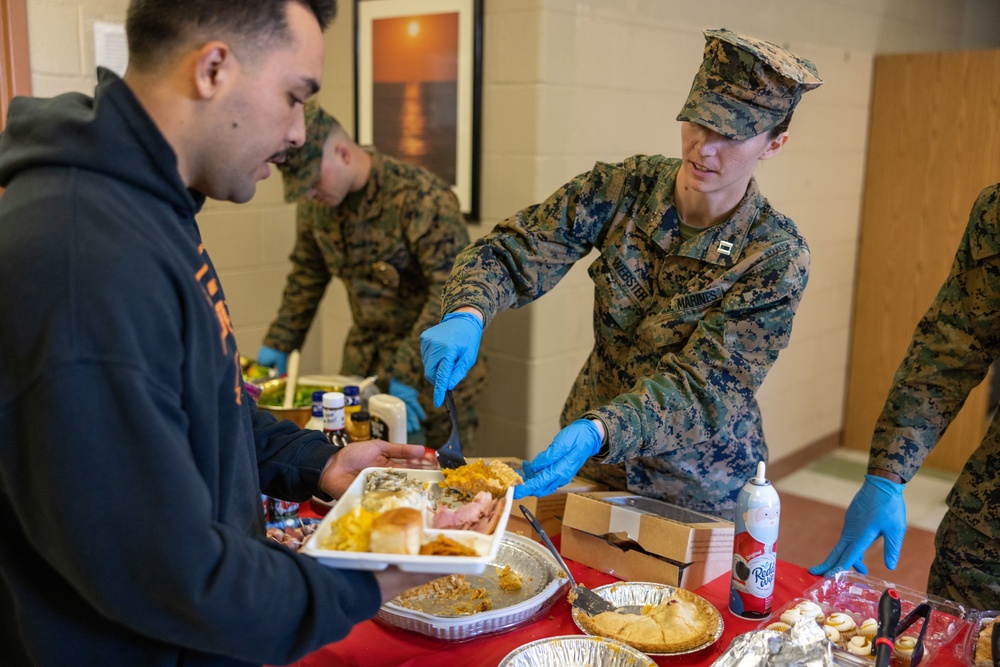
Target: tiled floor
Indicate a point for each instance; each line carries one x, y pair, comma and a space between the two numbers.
813, 501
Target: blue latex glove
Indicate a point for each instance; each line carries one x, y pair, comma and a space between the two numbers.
415, 414
449, 350
877, 510
268, 356
556, 466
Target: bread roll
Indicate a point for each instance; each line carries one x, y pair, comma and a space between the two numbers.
398, 531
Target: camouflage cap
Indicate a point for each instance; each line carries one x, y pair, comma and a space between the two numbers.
746, 86
302, 167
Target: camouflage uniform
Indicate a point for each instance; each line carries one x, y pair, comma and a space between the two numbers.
684, 331
393, 244
952, 350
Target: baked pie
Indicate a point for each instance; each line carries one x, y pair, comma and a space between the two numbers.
682, 622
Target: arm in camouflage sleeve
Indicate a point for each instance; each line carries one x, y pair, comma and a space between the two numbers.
306, 284
952, 349
436, 232
527, 254
719, 369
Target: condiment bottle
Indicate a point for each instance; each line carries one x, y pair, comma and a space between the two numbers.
758, 510
388, 418
333, 418
359, 426
316, 417
352, 400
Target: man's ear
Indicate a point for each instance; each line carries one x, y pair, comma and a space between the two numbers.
343, 152
211, 64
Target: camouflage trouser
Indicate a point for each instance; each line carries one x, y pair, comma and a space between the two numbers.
966, 565
437, 428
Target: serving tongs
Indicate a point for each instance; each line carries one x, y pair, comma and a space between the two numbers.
888, 627
583, 598
449, 455
922, 610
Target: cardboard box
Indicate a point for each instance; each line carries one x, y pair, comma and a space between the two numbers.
548, 510
641, 539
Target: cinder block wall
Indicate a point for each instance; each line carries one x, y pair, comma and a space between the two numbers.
566, 83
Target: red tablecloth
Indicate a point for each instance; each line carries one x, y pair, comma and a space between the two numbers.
373, 645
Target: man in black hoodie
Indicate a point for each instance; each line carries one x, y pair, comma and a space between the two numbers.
131, 458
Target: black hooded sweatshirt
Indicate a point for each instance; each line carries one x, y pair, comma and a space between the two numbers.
131, 459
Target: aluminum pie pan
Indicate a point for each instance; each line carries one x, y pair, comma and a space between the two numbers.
543, 581
642, 593
576, 651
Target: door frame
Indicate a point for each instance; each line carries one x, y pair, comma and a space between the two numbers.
15, 65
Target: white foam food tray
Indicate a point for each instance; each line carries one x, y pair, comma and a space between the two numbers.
486, 546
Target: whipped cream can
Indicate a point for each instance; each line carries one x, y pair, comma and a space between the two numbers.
758, 510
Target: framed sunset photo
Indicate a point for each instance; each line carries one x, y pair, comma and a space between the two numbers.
418, 83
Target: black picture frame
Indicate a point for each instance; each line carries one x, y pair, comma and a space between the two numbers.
418, 87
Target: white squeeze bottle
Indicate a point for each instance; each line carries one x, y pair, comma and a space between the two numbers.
388, 418
754, 555
316, 414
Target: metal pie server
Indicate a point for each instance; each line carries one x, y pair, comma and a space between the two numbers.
583, 598
449, 455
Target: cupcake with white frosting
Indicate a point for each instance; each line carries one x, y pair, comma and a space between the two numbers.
903, 650
844, 624
859, 645
812, 610
868, 628
790, 617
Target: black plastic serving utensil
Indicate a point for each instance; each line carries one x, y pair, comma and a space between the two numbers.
888, 621
922, 610
449, 455
584, 598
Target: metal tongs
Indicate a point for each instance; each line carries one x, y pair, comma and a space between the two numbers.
583, 598
449, 455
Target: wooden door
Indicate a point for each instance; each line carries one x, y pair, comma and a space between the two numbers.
934, 143
15, 71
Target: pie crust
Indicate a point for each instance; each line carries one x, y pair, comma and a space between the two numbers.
683, 622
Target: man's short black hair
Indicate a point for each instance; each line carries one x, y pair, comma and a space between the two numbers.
156, 27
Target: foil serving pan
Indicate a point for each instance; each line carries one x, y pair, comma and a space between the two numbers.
542, 582
642, 593
576, 651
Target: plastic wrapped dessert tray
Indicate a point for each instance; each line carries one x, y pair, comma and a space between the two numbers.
487, 546
543, 584
857, 596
